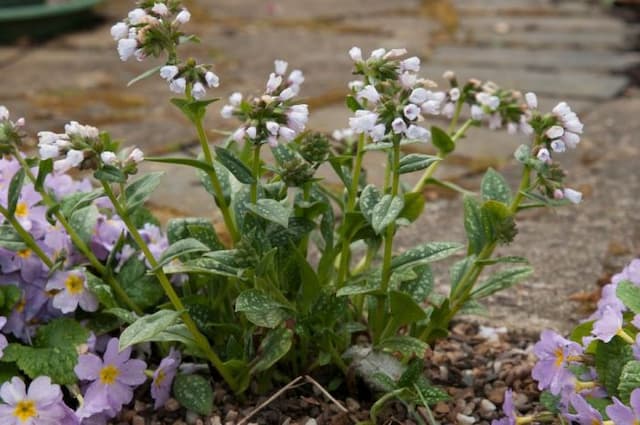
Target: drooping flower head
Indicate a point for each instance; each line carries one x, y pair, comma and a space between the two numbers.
163, 378
42, 404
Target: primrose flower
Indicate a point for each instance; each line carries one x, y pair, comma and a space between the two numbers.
112, 379
621, 414
554, 353
71, 291
608, 325
585, 413
3, 339
508, 409
163, 378
41, 405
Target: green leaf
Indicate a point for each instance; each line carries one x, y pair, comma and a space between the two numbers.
522, 153
459, 269
502, 260
62, 332
369, 198
146, 74
425, 253
111, 174
610, 359
413, 372
404, 310
371, 287
101, 290
415, 162
501, 280
193, 109
353, 104
473, 225
234, 165
194, 393
441, 140
629, 380
15, 189
405, 345
550, 402
271, 210
180, 248
70, 203
194, 227
385, 212
260, 309
274, 346
629, 294
125, 315
140, 190
413, 206
494, 186
8, 371
420, 287
45, 167
143, 289
498, 222
146, 327
83, 221
9, 239
55, 362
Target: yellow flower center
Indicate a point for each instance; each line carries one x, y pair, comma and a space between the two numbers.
24, 253
559, 356
25, 409
74, 284
21, 305
160, 377
22, 210
108, 374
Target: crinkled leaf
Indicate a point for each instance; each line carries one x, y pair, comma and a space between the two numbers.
62, 332
83, 221
501, 280
140, 190
146, 327
194, 393
260, 309
54, 362
494, 186
629, 380
274, 346
629, 294
234, 165
610, 360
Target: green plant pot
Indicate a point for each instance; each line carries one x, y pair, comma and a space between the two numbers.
16, 3
36, 20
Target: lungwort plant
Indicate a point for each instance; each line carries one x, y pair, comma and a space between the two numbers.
303, 275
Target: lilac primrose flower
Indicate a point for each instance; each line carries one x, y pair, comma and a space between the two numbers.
163, 378
41, 405
608, 325
621, 414
72, 291
3, 339
112, 379
585, 413
553, 352
509, 410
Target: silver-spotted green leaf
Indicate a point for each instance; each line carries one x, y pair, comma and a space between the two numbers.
522, 153
502, 260
194, 393
629, 380
473, 225
421, 286
110, 173
501, 280
274, 346
146, 327
494, 186
9, 239
349, 290
415, 162
404, 310
271, 210
260, 309
83, 221
101, 290
234, 165
140, 190
385, 212
369, 198
179, 248
194, 227
425, 253
405, 345
458, 270
441, 140
125, 315
142, 288
629, 294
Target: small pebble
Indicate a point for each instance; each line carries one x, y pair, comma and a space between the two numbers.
138, 420
191, 417
487, 406
352, 405
215, 420
232, 415
465, 420
139, 406
171, 405
311, 422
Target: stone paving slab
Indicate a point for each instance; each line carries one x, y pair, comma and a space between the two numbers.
530, 7
563, 60
579, 23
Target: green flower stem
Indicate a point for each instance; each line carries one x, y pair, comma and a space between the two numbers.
388, 240
215, 183
350, 206
456, 114
26, 237
463, 290
175, 300
428, 173
78, 242
255, 164
304, 243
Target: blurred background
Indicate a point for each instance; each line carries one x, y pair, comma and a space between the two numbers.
58, 63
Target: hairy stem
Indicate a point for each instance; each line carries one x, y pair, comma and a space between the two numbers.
26, 237
255, 165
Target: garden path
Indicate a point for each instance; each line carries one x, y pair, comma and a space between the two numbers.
571, 50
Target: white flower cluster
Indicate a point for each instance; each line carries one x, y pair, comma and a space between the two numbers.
4, 117
130, 34
54, 145
420, 100
178, 83
272, 115
132, 156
